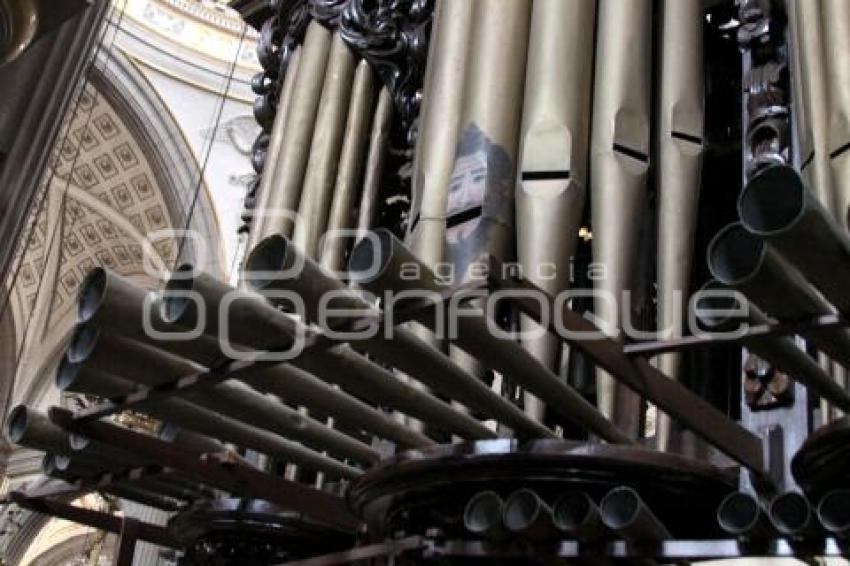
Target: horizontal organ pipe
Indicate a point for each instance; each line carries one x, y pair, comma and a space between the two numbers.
781, 351
388, 254
208, 422
270, 327
743, 262
405, 350
235, 400
553, 155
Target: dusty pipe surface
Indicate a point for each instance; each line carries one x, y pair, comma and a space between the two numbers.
680, 143
553, 153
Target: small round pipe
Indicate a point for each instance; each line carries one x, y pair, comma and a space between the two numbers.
483, 515
624, 512
792, 515
526, 514
834, 512
741, 515
577, 516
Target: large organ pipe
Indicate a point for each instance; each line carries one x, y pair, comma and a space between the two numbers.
92, 381
285, 380
781, 351
338, 365
811, 99
285, 189
619, 160
680, 145
553, 156
351, 162
743, 262
777, 207
317, 192
378, 143
276, 142
388, 256
836, 27
404, 350
440, 121
480, 208
104, 353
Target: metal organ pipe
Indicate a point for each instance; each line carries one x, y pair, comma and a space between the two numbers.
553, 155
285, 191
328, 132
277, 140
680, 151
351, 163
388, 254
619, 160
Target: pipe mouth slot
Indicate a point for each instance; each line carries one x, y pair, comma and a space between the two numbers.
734, 254
834, 511
790, 513
18, 423
620, 507
772, 201
174, 307
483, 512
91, 294
371, 256
83, 342
738, 513
572, 510
67, 373
521, 510
269, 256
